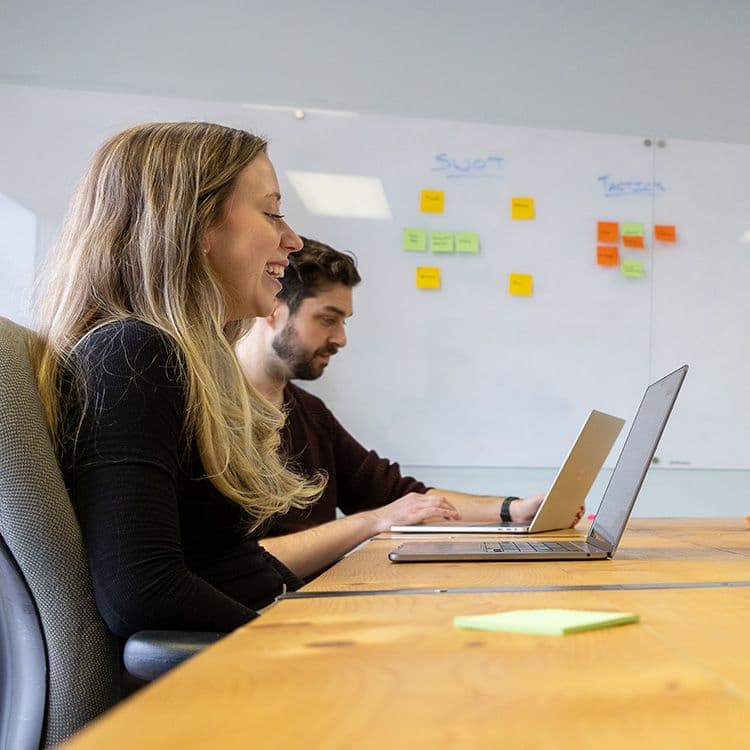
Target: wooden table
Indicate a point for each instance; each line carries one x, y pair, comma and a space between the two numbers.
388, 670
656, 551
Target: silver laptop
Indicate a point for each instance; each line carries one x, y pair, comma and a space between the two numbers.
569, 488
614, 509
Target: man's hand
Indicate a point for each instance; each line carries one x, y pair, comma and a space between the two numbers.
522, 511
412, 509
578, 517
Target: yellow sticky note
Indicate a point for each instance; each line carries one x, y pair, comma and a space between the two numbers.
441, 242
432, 201
414, 239
520, 284
522, 208
467, 242
545, 621
428, 277
632, 269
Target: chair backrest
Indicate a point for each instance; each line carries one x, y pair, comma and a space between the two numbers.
23, 661
42, 536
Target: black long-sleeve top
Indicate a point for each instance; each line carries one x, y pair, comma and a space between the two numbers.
166, 549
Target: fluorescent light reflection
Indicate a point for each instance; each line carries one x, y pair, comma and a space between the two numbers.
745, 239
343, 195
304, 110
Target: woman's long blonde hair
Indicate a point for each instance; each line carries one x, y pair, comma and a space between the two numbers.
131, 247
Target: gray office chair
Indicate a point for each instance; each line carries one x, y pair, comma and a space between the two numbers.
59, 664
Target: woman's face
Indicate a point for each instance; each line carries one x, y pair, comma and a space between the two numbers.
249, 244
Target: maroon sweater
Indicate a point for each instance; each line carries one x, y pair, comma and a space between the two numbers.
358, 479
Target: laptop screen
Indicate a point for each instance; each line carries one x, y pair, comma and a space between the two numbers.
635, 459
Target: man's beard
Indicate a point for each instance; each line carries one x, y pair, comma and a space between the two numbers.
301, 363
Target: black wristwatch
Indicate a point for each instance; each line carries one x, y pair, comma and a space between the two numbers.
505, 508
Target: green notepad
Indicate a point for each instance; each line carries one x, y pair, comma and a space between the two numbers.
545, 621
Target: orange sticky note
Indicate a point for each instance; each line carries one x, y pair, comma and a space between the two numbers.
634, 242
607, 231
432, 201
520, 284
665, 233
607, 255
522, 208
428, 277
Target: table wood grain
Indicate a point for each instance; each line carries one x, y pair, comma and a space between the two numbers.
391, 671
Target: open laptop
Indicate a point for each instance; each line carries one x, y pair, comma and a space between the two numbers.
568, 491
614, 509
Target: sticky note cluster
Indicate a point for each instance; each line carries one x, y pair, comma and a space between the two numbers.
545, 621
632, 235
519, 284
433, 202
420, 240
610, 232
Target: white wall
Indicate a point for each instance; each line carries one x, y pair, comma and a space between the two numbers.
663, 67
665, 492
17, 250
673, 68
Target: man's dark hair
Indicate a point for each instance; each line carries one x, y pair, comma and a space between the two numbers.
315, 267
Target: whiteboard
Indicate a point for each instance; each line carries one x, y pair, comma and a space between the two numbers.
468, 375
701, 308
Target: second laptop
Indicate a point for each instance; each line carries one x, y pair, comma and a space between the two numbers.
568, 491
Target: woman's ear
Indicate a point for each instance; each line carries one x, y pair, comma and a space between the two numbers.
206, 241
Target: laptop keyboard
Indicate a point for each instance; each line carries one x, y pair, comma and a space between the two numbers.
531, 547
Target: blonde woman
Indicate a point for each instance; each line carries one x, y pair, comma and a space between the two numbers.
174, 239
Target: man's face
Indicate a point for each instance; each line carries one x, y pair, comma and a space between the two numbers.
315, 332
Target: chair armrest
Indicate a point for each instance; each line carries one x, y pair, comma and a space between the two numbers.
151, 653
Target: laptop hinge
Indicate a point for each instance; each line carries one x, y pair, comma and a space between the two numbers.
600, 543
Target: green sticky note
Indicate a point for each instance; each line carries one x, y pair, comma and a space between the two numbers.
633, 269
467, 242
414, 239
545, 621
631, 230
441, 242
